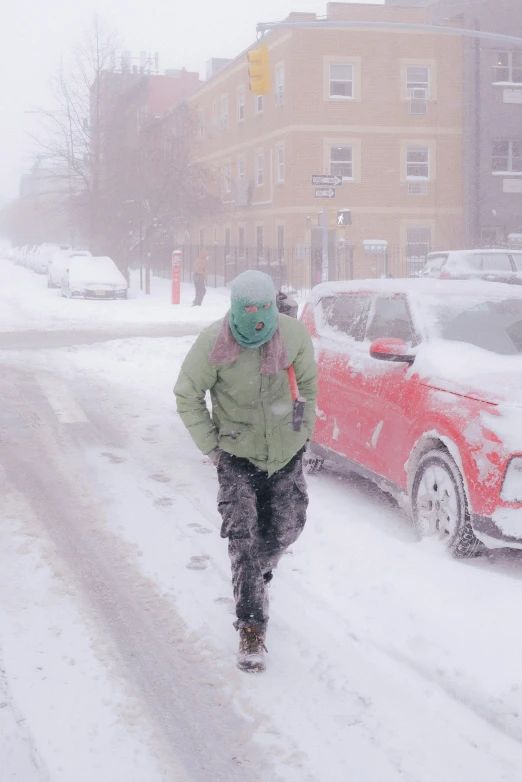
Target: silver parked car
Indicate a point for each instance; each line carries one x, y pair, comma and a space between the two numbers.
493, 265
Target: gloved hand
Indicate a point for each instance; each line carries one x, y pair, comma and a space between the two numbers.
215, 456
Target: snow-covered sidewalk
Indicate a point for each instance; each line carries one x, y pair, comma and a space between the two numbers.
27, 304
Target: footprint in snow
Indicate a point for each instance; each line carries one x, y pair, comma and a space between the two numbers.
198, 562
163, 502
160, 478
113, 458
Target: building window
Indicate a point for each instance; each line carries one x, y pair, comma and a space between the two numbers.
341, 80
418, 82
227, 240
341, 161
280, 84
240, 104
241, 239
259, 104
227, 178
201, 123
418, 163
214, 114
241, 168
259, 168
224, 112
280, 164
507, 157
418, 245
508, 68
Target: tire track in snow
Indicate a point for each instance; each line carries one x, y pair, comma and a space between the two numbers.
165, 667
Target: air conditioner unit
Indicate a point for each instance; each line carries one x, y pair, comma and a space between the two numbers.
417, 188
418, 107
418, 93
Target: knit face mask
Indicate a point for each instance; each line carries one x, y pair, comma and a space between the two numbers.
253, 313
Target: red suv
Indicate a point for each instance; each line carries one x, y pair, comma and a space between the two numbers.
420, 389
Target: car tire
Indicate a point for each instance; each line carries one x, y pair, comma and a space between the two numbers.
439, 505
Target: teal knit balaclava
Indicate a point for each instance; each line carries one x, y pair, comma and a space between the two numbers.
253, 312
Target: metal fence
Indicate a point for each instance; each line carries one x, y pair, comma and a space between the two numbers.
293, 269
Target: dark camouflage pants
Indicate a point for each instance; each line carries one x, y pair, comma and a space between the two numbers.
262, 517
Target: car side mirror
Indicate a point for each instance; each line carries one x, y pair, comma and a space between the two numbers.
391, 349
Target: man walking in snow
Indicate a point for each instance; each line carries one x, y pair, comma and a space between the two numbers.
244, 360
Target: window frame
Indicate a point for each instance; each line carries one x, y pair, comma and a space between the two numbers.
260, 169
428, 82
280, 150
240, 104
279, 84
350, 81
259, 102
509, 171
510, 67
331, 163
427, 163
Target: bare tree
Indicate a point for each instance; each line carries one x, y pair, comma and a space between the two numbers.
71, 138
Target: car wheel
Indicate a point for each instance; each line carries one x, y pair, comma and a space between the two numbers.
439, 505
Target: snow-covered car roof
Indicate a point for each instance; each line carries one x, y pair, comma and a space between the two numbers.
420, 287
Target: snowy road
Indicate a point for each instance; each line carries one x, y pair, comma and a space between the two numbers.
387, 660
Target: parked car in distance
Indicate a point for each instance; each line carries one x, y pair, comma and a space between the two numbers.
94, 277
491, 265
41, 257
59, 264
419, 390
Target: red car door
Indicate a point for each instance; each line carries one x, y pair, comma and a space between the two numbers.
341, 325
396, 392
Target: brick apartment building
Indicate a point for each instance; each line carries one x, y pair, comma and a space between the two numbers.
491, 116
380, 107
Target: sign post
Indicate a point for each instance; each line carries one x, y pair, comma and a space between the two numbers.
176, 276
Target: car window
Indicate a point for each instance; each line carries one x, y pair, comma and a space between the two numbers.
518, 262
497, 262
391, 319
492, 325
349, 314
470, 262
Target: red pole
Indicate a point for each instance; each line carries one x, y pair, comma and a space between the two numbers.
176, 276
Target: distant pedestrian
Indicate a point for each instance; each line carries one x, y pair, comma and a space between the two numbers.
200, 278
249, 361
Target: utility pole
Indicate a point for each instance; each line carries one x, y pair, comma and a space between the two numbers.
325, 264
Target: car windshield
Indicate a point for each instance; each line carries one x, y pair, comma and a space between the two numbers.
494, 325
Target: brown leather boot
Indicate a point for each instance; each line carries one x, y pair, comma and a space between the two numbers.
251, 649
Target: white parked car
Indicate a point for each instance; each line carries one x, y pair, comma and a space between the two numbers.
40, 259
96, 277
59, 264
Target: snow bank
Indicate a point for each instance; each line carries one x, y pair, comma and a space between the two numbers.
27, 304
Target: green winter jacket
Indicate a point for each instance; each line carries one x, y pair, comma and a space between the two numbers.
251, 413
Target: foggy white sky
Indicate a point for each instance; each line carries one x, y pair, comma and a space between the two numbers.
34, 34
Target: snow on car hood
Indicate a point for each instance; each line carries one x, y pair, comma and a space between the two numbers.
95, 271
467, 370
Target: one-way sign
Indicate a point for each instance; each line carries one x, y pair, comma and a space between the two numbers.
324, 192
327, 179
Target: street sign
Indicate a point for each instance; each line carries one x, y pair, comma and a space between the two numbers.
327, 179
344, 217
324, 192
